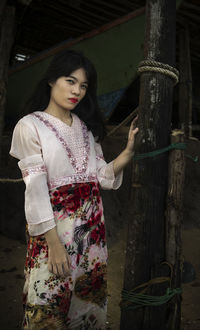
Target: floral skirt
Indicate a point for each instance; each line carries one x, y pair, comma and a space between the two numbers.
79, 300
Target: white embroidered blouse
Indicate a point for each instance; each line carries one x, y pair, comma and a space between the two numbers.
53, 154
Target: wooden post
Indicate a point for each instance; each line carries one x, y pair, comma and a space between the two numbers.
185, 85
173, 225
146, 231
6, 41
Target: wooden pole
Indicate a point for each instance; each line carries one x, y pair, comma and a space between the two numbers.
185, 86
146, 230
174, 216
6, 42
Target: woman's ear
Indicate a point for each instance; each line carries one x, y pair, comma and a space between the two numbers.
50, 83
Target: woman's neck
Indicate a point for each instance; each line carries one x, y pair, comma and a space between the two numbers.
62, 114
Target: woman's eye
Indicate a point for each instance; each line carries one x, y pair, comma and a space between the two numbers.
70, 81
84, 86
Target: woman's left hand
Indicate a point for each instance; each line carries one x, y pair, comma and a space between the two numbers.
131, 135
127, 154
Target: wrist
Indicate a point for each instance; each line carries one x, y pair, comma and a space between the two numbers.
52, 238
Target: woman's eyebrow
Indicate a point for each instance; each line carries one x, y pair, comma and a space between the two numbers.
84, 82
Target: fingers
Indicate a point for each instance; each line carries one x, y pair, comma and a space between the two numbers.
134, 121
68, 264
50, 267
59, 262
135, 130
66, 269
60, 269
63, 270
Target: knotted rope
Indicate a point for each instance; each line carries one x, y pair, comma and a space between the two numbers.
154, 66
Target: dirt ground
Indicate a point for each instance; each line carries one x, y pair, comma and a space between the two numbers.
12, 253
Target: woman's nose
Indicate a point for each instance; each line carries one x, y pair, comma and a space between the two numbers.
76, 89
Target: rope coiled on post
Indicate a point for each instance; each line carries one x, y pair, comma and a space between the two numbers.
154, 66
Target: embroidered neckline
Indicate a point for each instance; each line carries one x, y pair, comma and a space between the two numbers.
79, 164
56, 118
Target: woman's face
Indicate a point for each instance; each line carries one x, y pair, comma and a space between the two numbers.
67, 92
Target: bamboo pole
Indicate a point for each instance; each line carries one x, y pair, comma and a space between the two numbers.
124, 122
174, 215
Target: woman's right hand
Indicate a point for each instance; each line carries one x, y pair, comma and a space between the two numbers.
58, 260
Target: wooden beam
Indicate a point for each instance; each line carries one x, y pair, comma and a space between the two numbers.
107, 13
45, 30
181, 20
118, 7
83, 11
74, 17
187, 14
190, 6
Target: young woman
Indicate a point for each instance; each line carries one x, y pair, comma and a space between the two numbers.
63, 166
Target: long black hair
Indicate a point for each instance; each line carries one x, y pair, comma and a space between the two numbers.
63, 64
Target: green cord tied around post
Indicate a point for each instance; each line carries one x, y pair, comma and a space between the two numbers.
151, 154
132, 301
160, 151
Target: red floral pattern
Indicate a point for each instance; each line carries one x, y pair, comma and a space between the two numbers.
37, 246
72, 197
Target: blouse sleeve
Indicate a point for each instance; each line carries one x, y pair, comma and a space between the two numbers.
105, 171
26, 147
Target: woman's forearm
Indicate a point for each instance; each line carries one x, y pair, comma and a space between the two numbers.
122, 160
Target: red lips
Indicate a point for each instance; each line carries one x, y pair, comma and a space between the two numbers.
73, 100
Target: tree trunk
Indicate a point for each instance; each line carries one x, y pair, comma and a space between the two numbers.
174, 219
6, 41
146, 231
185, 86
